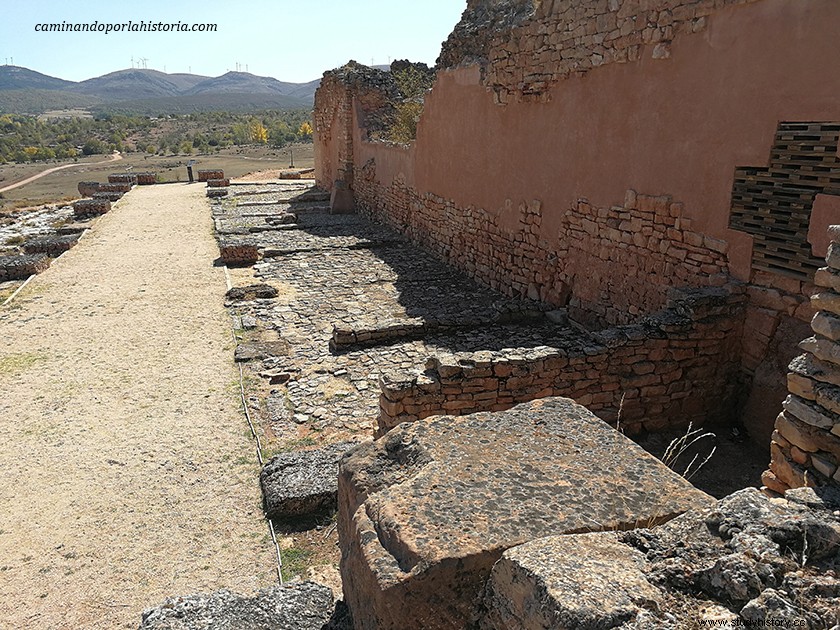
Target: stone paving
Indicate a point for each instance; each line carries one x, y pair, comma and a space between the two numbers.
356, 301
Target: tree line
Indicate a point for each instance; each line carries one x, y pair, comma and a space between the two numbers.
30, 139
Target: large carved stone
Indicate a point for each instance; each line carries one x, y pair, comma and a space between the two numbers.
426, 510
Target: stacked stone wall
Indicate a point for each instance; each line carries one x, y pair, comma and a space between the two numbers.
805, 448
675, 367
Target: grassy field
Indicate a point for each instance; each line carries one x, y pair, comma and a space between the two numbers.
61, 185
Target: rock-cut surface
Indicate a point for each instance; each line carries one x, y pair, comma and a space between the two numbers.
426, 510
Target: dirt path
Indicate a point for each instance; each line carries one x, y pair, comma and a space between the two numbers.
112, 158
126, 468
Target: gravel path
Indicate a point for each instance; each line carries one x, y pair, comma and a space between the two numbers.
127, 473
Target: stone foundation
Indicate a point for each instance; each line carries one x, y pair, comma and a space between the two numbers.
119, 187
113, 197
237, 253
672, 368
52, 246
88, 208
223, 182
86, 189
146, 179
207, 174
21, 267
215, 193
122, 178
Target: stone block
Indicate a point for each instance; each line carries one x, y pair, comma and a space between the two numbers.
255, 350
298, 606
426, 510
534, 586
52, 246
208, 174
86, 189
17, 267
827, 278
810, 413
826, 301
537, 585
122, 178
302, 484
146, 179
823, 349
88, 208
827, 325
236, 253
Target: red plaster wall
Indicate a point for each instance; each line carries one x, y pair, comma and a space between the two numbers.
676, 126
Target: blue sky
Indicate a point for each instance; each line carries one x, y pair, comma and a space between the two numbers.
290, 40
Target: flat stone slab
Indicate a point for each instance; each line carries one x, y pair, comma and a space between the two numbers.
254, 350
301, 606
251, 292
302, 484
426, 510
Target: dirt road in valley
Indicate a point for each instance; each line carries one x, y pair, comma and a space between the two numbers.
127, 473
112, 158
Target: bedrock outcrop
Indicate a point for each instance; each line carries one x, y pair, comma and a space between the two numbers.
746, 561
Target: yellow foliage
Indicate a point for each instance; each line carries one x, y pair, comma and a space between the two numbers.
30, 151
259, 133
305, 129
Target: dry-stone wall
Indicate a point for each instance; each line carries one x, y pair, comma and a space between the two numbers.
675, 367
87, 208
805, 450
610, 265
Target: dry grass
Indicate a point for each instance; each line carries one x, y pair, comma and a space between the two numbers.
61, 186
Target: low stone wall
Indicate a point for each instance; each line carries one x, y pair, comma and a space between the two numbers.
21, 267
215, 193
237, 253
119, 187
672, 368
86, 189
113, 197
87, 208
146, 179
222, 182
52, 246
805, 448
122, 178
207, 174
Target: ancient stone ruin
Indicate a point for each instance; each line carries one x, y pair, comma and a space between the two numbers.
610, 223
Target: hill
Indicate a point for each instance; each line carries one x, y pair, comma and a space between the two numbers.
135, 84
151, 92
18, 78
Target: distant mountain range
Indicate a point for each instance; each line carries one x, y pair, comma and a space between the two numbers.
144, 91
